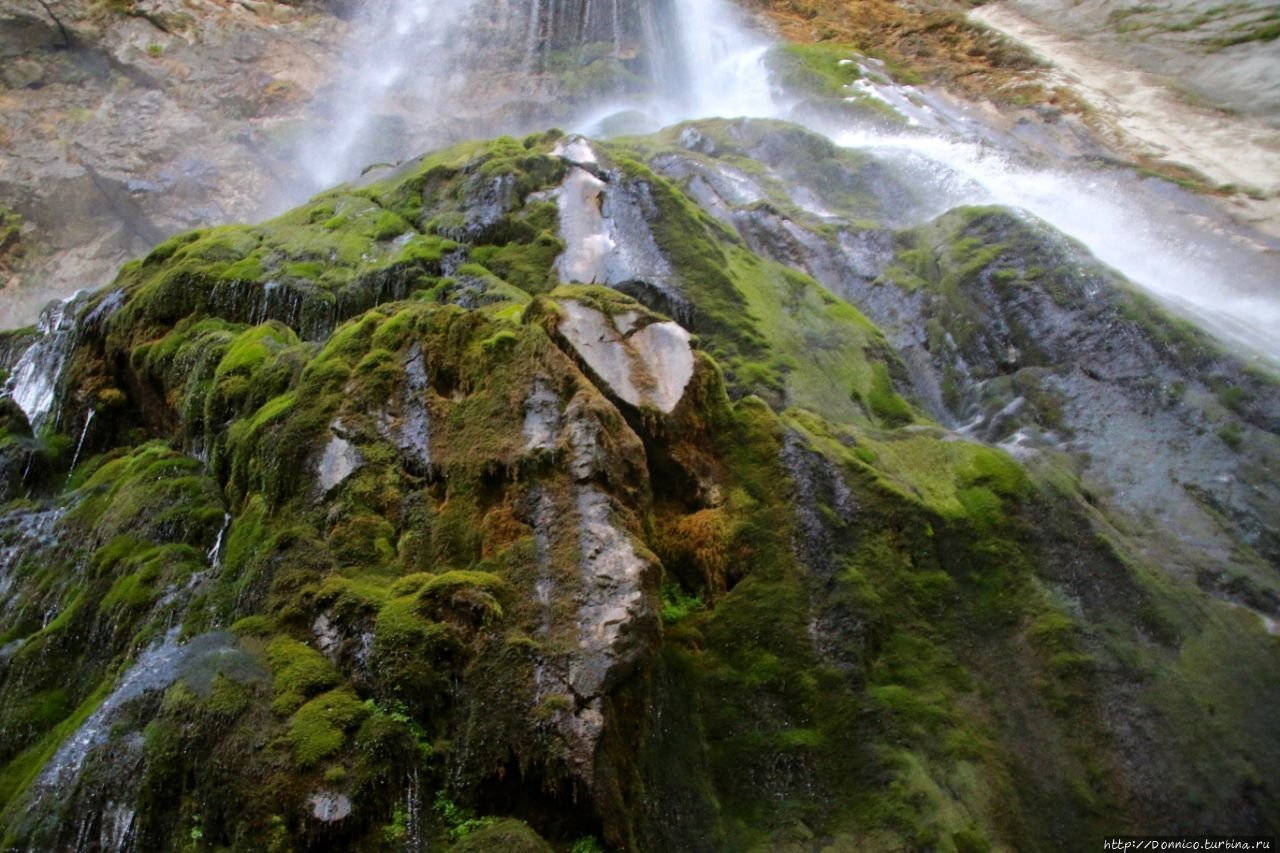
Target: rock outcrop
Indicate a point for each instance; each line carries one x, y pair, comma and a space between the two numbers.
373, 526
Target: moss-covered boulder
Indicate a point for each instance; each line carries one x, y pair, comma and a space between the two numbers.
377, 527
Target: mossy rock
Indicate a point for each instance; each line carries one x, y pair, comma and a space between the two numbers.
793, 611
512, 835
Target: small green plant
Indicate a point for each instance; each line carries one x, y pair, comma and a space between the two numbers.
398, 713
1232, 435
398, 827
587, 844
461, 822
155, 50
677, 605
1234, 398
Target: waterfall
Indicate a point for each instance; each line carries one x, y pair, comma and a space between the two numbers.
421, 73
35, 375
424, 73
723, 63
1208, 275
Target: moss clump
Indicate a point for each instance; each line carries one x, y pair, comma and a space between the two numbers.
298, 673
825, 69
885, 404
512, 835
830, 72
321, 726
469, 595
11, 247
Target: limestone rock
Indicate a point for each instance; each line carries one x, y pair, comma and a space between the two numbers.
612, 577
22, 73
329, 807
339, 461
647, 367
605, 227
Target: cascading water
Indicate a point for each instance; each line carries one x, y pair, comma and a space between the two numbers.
35, 376
23, 532
156, 668
422, 73
1154, 235
426, 73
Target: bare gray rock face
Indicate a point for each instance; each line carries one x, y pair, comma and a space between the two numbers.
340, 460
329, 807
118, 129
542, 417
408, 425
648, 367
612, 574
604, 224
1220, 52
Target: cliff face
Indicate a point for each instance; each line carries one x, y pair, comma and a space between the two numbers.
550, 492
144, 118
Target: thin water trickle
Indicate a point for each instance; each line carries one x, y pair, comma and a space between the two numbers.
84, 431
414, 837
215, 553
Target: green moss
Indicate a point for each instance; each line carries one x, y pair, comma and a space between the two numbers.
528, 267
254, 626
821, 346
10, 232
144, 572
298, 672
827, 71
506, 835
1232, 435
824, 68
885, 404
477, 594
321, 726
677, 606
869, 631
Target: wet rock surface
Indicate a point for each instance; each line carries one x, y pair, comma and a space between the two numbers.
649, 366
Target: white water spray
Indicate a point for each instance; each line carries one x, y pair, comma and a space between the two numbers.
432, 72
1171, 251
400, 59
421, 74
35, 376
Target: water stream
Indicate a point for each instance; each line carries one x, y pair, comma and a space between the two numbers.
1161, 238
422, 73
34, 378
